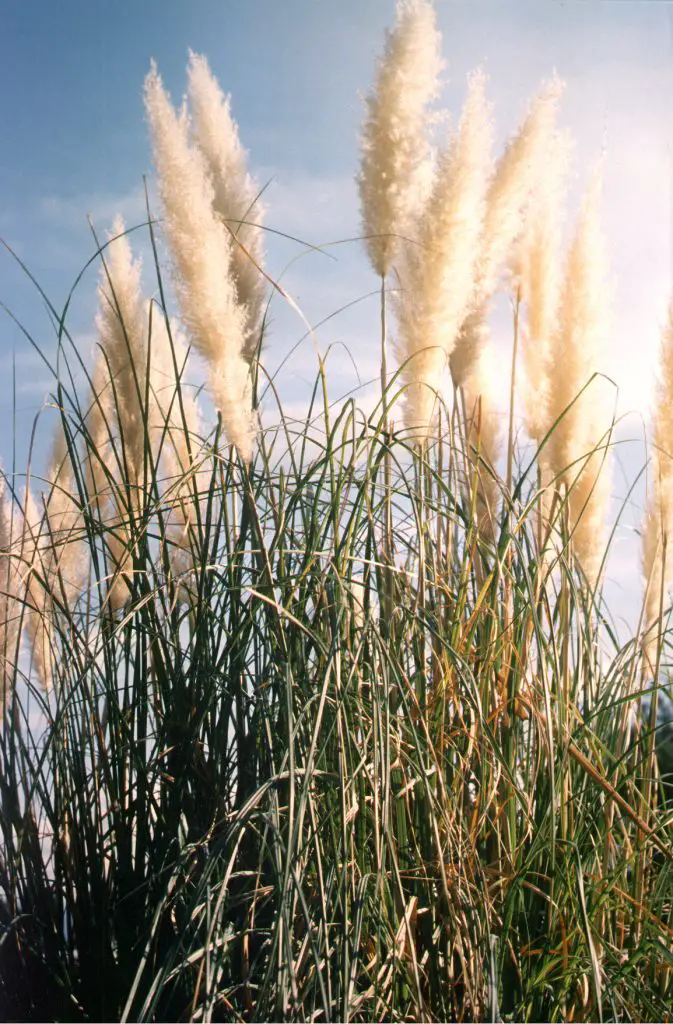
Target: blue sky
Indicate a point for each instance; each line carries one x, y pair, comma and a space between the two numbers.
75, 143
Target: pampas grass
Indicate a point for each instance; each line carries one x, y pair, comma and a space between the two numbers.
337, 725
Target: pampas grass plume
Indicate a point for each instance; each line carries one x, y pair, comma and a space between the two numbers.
236, 193
522, 165
201, 248
484, 433
518, 171
437, 273
581, 423
537, 277
657, 551
10, 609
122, 331
394, 165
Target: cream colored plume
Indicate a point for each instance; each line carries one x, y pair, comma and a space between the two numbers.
55, 557
38, 623
99, 422
236, 193
123, 331
518, 171
471, 338
122, 325
484, 434
582, 423
201, 247
10, 607
395, 153
657, 554
437, 272
186, 473
537, 278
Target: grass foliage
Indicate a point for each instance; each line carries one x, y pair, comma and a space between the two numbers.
360, 763
359, 742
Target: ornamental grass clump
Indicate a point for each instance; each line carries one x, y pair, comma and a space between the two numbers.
355, 741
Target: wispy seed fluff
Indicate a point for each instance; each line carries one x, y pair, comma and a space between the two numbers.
437, 271
484, 433
10, 608
658, 526
536, 275
201, 247
395, 152
236, 193
186, 474
519, 169
577, 444
121, 322
56, 557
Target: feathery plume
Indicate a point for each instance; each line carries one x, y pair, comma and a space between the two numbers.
484, 435
186, 478
38, 625
470, 341
121, 322
56, 554
395, 154
99, 424
201, 248
581, 424
123, 326
437, 274
236, 193
536, 272
105, 495
519, 169
657, 553
10, 610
